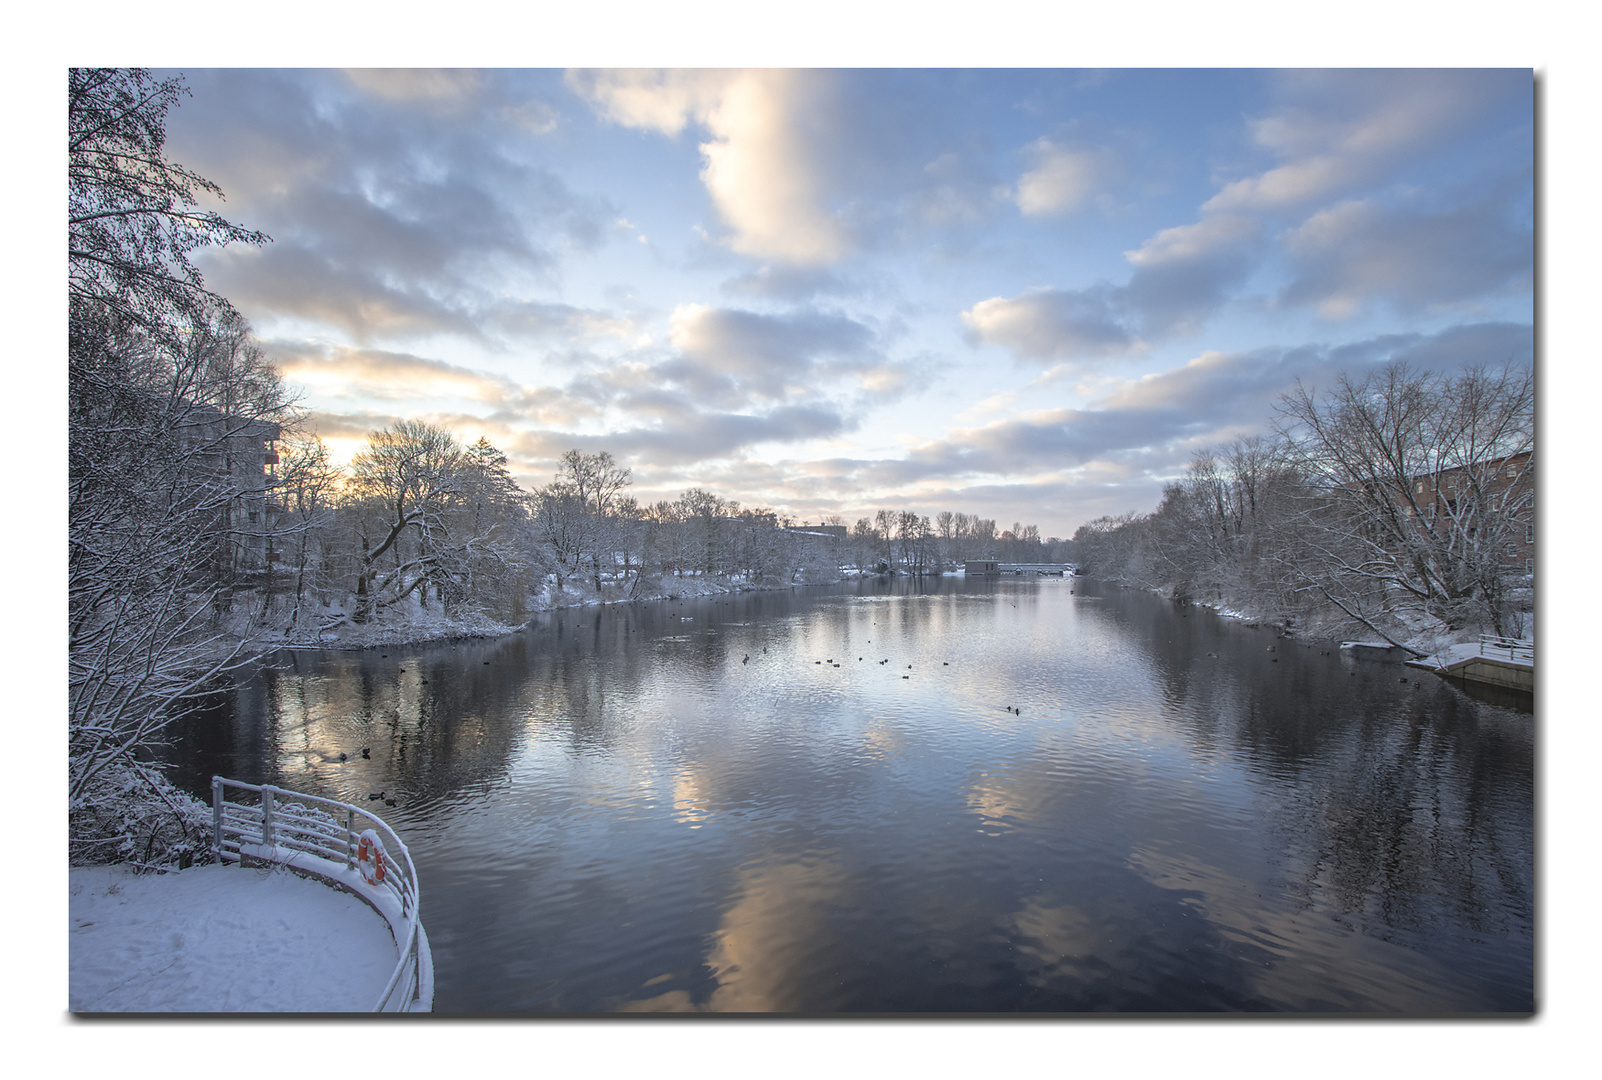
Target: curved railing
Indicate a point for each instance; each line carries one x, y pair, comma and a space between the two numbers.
300, 832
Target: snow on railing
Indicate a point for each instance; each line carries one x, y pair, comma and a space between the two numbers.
285, 824
1503, 648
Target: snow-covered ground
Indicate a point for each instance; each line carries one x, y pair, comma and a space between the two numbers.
413, 625
220, 939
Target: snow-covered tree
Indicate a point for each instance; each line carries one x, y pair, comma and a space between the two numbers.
132, 215
1423, 485
169, 406
159, 479
429, 521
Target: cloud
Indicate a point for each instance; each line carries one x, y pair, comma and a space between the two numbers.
955, 190
785, 283
1062, 178
1184, 274
387, 220
289, 281
1052, 324
743, 356
763, 163
1337, 129
652, 99
1181, 276
808, 167
413, 85
761, 169
727, 381
534, 319
375, 373
687, 435
1358, 253
534, 117
1159, 420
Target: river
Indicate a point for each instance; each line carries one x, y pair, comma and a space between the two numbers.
1002, 795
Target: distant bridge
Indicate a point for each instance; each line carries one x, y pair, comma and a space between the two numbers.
987, 568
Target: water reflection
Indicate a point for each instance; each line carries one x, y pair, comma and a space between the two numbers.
956, 795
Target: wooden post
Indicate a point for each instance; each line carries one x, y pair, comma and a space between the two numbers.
267, 816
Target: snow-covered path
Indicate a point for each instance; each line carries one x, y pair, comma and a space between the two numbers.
220, 939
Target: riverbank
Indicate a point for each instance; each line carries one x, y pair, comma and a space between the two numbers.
415, 625
220, 939
1426, 641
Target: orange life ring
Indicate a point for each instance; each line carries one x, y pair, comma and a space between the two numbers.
370, 858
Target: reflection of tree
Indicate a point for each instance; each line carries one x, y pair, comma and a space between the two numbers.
1402, 796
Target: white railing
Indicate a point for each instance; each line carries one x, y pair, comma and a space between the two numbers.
1502, 648
297, 830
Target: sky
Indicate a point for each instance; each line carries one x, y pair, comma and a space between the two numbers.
1031, 295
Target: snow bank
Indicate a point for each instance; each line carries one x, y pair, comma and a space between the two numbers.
220, 939
413, 626
404, 628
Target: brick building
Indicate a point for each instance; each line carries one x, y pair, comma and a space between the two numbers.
1501, 486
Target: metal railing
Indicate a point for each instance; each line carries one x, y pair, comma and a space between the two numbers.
285, 823
1502, 648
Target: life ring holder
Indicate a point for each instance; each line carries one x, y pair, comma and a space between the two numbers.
370, 857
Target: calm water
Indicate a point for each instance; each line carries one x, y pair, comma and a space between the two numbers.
820, 801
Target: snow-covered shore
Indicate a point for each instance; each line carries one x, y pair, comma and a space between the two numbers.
220, 939
416, 626
1430, 642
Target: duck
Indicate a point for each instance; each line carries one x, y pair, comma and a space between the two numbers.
367, 752
371, 795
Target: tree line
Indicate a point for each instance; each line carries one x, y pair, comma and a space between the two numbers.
1401, 503
420, 522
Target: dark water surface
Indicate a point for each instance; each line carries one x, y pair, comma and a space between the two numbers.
818, 801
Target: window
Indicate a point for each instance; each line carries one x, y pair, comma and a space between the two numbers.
1529, 566
1419, 487
1529, 534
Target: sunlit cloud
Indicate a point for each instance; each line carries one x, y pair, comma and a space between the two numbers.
416, 84
372, 373
759, 166
1062, 178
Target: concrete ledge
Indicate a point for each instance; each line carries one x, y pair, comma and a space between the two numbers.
1510, 674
